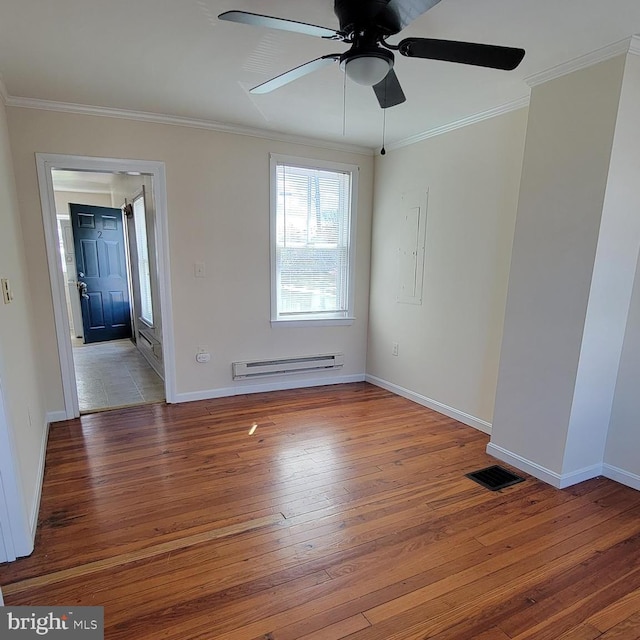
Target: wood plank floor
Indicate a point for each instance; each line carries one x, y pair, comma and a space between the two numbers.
345, 515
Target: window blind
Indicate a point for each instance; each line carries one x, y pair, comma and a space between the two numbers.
313, 211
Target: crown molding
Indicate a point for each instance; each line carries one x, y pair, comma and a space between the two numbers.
513, 105
622, 47
156, 118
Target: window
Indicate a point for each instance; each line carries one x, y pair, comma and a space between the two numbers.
312, 240
144, 273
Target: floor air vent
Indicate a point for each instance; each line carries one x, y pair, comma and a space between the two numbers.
494, 478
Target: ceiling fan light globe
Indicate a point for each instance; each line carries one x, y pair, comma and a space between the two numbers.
367, 70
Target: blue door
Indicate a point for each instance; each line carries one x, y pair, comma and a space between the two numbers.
98, 238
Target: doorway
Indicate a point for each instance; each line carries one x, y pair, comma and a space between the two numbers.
114, 372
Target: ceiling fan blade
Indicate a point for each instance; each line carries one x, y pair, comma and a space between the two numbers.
294, 74
482, 55
389, 92
257, 20
397, 14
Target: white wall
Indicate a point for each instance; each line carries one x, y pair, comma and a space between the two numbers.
623, 442
565, 171
24, 435
449, 344
218, 203
64, 198
622, 461
611, 287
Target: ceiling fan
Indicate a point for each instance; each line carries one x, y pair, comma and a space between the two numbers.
366, 25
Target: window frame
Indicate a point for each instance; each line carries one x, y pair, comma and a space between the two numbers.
149, 322
340, 318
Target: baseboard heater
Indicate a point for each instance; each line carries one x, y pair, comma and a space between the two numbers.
301, 364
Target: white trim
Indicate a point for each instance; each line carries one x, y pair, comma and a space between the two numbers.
533, 469
620, 475
56, 277
33, 520
560, 481
580, 475
500, 110
628, 45
326, 322
17, 541
634, 47
45, 162
156, 118
353, 170
7, 553
56, 416
7, 548
456, 414
250, 387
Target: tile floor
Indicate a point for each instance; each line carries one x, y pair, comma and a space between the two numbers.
114, 374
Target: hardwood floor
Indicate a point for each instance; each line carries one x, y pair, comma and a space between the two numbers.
345, 515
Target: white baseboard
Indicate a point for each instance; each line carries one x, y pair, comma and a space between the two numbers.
56, 416
620, 475
460, 416
33, 520
243, 387
532, 468
558, 480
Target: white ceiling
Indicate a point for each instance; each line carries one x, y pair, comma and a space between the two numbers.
173, 57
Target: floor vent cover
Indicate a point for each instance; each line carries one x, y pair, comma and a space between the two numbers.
494, 477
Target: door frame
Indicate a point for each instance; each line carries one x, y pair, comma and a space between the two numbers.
45, 162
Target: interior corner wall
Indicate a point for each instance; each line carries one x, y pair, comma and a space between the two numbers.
23, 400
621, 458
611, 287
622, 461
218, 213
449, 344
567, 154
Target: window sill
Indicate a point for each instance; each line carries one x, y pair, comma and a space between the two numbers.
314, 322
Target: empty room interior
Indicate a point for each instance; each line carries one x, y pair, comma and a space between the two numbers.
278, 278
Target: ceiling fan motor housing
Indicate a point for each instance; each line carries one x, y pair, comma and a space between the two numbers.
362, 15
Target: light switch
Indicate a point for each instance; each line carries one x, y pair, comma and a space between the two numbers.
7, 294
199, 270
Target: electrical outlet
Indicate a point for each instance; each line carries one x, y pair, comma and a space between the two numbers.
394, 348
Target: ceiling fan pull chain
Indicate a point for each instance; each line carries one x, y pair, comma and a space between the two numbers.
384, 123
344, 106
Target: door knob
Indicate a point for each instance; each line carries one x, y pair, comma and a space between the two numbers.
82, 288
